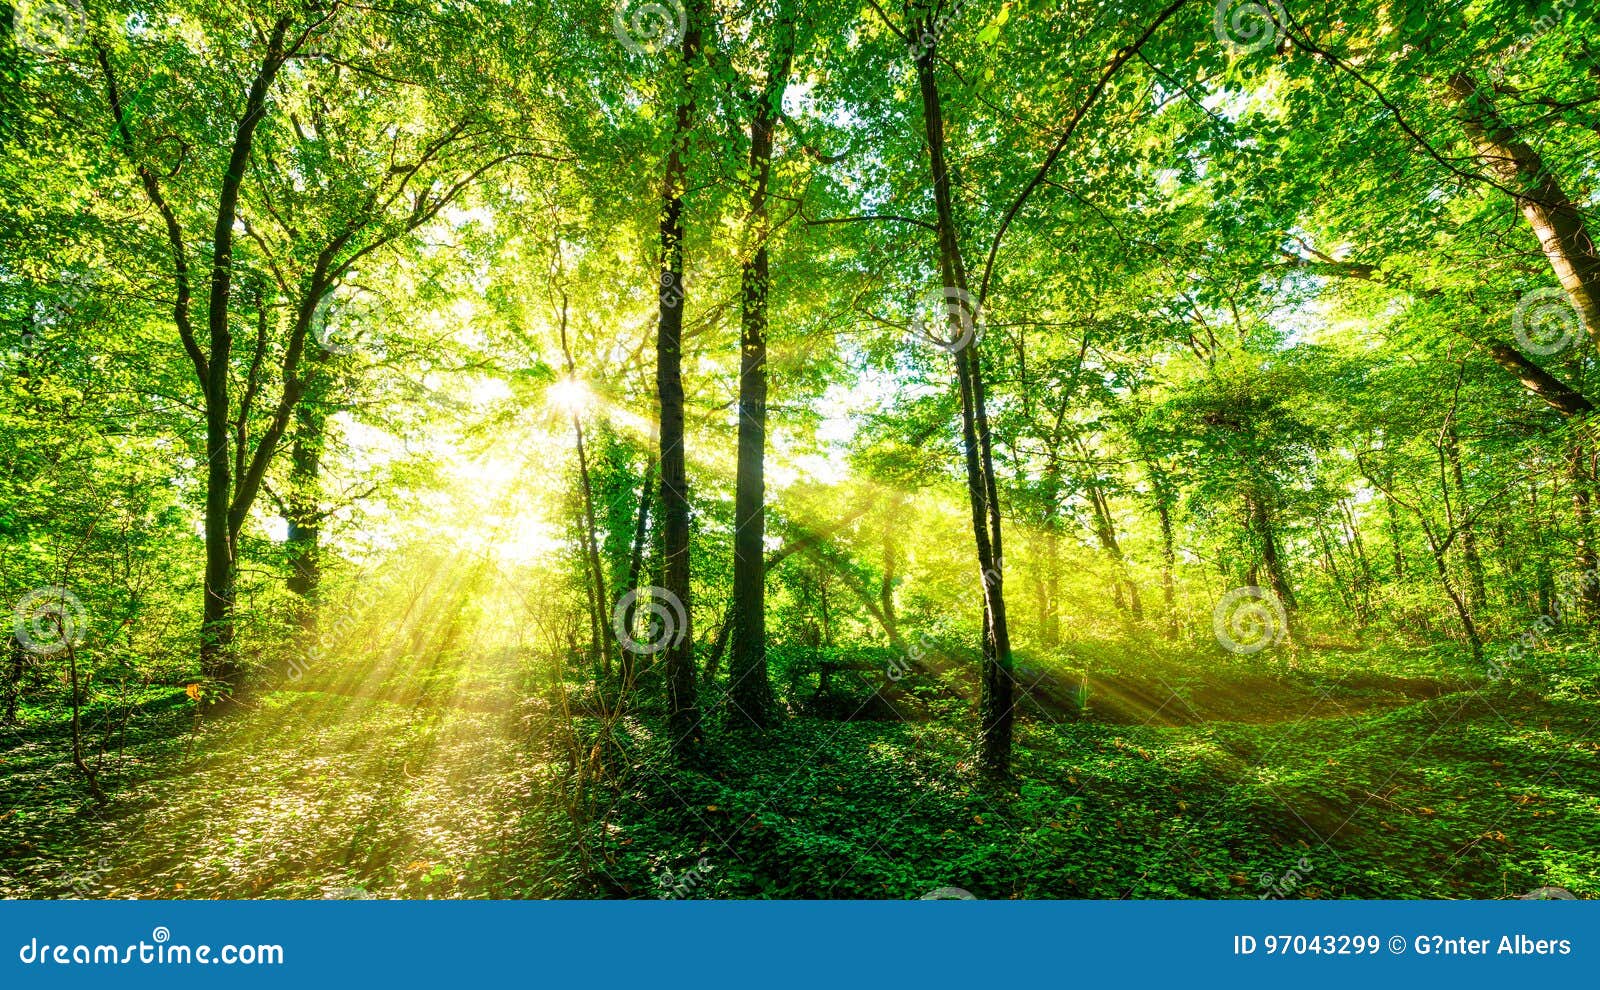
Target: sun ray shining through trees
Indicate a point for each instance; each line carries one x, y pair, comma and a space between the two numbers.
786, 449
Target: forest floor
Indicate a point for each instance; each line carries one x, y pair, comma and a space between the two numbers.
1340, 783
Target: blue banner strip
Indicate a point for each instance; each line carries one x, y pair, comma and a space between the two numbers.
796, 944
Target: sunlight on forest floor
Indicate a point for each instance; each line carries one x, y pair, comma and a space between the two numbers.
451, 789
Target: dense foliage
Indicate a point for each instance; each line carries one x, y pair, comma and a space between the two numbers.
1045, 448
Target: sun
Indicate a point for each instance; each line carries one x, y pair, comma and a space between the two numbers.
569, 396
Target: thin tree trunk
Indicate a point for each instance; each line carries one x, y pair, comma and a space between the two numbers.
603, 644
1169, 562
1106, 532
600, 608
1395, 544
304, 509
996, 707
1469, 538
1463, 613
89, 774
1358, 552
1588, 588
719, 646
635, 568
16, 664
1050, 589
1266, 535
683, 715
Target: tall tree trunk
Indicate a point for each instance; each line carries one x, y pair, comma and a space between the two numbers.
1396, 546
1267, 539
1358, 552
1510, 562
1555, 219
1169, 556
750, 688
1469, 539
1544, 584
1463, 614
996, 707
891, 576
600, 608
1106, 532
1588, 587
1330, 566
635, 568
1050, 589
16, 663
304, 508
683, 713
216, 624
603, 644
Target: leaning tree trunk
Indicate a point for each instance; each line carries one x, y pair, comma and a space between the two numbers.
1463, 613
1555, 219
683, 714
602, 644
1271, 559
1106, 532
996, 706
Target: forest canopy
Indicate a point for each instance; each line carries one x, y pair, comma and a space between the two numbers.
1031, 448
